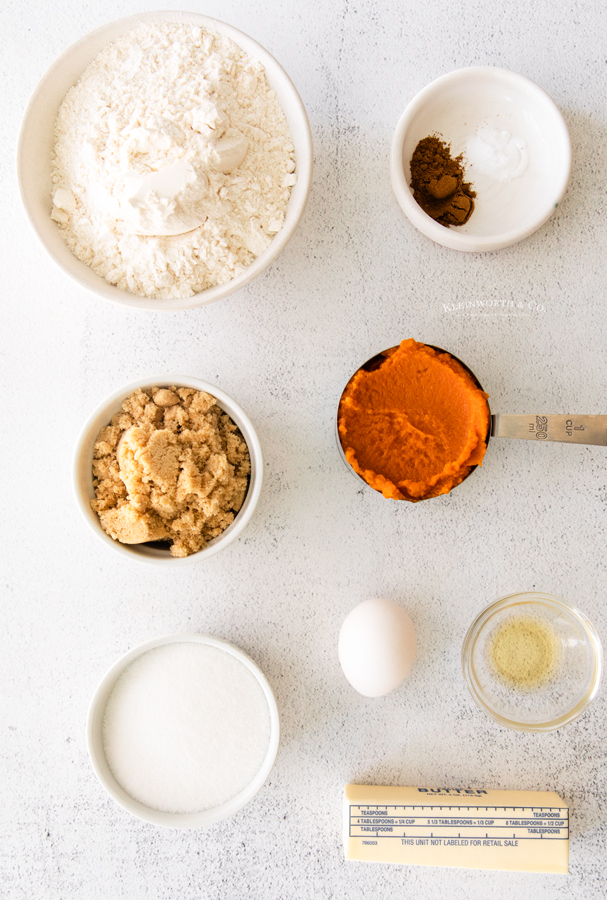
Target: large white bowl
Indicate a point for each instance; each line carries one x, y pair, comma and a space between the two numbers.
94, 740
453, 107
83, 470
36, 142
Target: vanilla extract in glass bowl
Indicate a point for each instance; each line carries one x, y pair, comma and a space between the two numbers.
524, 652
532, 662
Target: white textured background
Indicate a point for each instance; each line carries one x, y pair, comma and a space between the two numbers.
356, 278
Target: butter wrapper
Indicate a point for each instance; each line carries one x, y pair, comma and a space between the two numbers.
511, 831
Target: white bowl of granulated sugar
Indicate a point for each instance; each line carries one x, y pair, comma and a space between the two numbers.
165, 160
183, 731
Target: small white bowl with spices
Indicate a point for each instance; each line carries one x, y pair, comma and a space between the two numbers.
166, 470
183, 731
532, 662
173, 210
515, 153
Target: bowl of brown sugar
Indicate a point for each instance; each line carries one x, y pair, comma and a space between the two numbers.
480, 159
168, 470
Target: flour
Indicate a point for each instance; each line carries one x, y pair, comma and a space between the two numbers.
173, 163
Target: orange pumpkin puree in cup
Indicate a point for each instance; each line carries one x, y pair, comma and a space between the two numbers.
414, 426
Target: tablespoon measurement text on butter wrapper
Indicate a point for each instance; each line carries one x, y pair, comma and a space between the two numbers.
514, 831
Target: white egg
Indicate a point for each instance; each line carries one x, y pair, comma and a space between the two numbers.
377, 646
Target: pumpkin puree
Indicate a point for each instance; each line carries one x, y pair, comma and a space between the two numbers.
414, 426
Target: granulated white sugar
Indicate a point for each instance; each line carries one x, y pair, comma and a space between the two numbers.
186, 728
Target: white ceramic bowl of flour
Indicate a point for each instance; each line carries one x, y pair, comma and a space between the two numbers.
82, 471
516, 149
36, 143
183, 731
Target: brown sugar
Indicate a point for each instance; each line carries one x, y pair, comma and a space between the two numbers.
438, 183
171, 466
414, 426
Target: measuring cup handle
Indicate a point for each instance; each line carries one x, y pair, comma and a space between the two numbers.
568, 429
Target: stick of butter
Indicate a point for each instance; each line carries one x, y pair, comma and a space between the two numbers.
515, 831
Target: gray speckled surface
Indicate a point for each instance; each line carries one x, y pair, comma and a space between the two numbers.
355, 279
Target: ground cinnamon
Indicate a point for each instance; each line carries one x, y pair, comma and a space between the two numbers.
438, 183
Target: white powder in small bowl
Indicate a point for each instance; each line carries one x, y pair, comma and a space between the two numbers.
496, 153
186, 727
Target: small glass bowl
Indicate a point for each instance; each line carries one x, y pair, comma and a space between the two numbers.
567, 690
